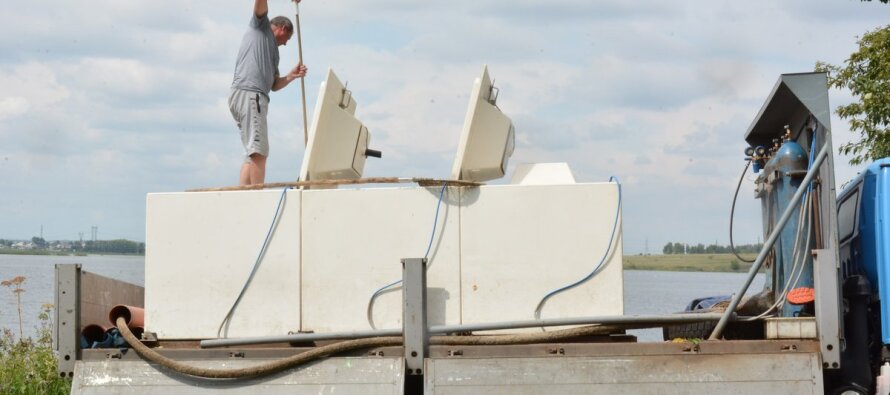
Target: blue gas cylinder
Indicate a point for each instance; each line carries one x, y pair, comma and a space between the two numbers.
788, 166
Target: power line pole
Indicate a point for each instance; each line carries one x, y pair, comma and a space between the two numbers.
95, 231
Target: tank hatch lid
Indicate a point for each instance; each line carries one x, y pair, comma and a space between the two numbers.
793, 95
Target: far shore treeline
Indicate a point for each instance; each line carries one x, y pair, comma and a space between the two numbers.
39, 246
680, 248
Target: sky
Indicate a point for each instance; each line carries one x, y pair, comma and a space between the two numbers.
106, 101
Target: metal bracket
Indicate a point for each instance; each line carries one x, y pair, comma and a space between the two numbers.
346, 98
149, 339
414, 324
493, 93
67, 329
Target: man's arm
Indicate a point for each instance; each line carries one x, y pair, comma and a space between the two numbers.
281, 82
260, 7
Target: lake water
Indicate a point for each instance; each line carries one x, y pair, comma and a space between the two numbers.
39, 285
645, 292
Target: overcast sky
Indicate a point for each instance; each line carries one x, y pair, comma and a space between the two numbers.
105, 101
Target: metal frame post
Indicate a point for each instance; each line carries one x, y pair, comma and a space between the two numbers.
827, 277
414, 319
827, 315
66, 336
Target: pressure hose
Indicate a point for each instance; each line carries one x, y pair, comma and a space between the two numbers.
596, 268
732, 214
357, 344
369, 312
256, 265
251, 371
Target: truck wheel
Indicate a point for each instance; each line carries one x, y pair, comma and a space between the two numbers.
850, 391
695, 330
742, 330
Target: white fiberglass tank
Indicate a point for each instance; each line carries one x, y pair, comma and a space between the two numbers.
338, 141
487, 139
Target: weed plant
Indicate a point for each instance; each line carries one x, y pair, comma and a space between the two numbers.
28, 365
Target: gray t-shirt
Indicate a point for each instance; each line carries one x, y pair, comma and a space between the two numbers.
257, 64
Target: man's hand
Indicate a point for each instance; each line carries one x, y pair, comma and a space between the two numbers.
260, 7
298, 72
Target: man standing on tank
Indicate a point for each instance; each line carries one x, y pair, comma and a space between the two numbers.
256, 73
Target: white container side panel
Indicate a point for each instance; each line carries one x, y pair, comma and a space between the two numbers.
353, 243
519, 243
201, 248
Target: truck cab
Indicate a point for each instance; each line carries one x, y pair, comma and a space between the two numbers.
863, 231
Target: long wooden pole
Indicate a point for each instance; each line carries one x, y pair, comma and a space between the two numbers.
302, 79
424, 182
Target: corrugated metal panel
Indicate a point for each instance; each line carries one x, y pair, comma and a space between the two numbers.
359, 376
98, 294
791, 373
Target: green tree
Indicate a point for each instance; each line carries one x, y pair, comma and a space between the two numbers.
679, 248
119, 246
668, 249
39, 242
866, 74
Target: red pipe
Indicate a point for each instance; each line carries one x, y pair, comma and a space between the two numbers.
134, 316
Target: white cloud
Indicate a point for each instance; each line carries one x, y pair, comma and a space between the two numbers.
131, 96
31, 84
13, 106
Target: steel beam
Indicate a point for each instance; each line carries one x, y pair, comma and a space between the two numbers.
654, 321
828, 320
66, 336
414, 324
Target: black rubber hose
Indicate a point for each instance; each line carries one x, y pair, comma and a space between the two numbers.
732, 214
349, 345
252, 371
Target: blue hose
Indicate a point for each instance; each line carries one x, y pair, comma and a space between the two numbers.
598, 267
812, 155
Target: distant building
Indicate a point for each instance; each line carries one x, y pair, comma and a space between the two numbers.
24, 245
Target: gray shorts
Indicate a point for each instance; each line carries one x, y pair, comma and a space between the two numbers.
249, 110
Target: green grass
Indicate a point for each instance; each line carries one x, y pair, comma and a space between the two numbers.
688, 263
29, 366
12, 251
